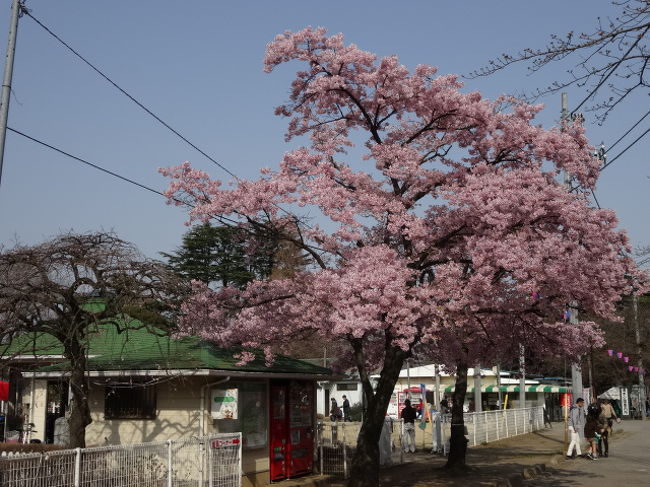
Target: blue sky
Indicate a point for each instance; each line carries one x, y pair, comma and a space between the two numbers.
199, 66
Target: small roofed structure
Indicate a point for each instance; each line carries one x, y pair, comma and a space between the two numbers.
147, 386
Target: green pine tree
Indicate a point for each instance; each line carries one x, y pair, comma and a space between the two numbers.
223, 256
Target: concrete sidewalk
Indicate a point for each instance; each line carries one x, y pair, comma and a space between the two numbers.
628, 463
506, 462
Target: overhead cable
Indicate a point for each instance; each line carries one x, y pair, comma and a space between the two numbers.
148, 111
628, 131
131, 97
609, 163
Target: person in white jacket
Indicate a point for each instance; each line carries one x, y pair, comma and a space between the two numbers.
577, 420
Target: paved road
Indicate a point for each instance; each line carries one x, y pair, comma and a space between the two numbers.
627, 466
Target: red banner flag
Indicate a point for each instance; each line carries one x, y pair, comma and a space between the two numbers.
4, 390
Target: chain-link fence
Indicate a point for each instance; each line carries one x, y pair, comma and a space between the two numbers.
209, 461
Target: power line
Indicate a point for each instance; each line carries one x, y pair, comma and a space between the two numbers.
111, 173
219, 218
616, 157
148, 111
629, 130
593, 193
624, 150
95, 166
129, 96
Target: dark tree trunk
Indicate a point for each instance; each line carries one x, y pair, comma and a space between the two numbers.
458, 441
364, 471
79, 408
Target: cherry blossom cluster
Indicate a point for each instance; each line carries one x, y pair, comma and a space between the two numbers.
436, 236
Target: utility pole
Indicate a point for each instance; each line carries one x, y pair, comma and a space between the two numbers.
639, 351
576, 370
408, 378
436, 393
590, 371
16, 11
499, 387
478, 402
601, 154
522, 378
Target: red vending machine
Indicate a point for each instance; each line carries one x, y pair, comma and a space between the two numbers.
278, 432
291, 429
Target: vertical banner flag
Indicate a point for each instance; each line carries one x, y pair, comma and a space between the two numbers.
625, 402
425, 408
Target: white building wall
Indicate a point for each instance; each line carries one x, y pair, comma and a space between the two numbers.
337, 389
36, 413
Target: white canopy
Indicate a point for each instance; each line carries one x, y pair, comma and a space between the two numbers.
611, 393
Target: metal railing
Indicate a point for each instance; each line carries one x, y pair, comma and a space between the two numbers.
489, 426
209, 461
337, 442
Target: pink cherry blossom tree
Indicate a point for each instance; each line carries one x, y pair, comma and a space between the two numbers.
435, 216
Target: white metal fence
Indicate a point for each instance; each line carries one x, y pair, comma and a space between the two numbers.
209, 461
337, 441
488, 426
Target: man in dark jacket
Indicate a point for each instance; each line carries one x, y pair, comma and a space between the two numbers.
408, 416
346, 409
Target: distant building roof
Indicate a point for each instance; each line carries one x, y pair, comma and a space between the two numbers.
428, 371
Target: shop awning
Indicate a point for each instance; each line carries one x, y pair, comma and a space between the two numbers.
513, 388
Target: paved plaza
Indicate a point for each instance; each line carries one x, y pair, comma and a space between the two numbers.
627, 466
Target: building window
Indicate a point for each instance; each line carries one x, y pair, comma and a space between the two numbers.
130, 402
252, 419
346, 387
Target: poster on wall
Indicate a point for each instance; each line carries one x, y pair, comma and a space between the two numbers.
393, 407
625, 402
224, 403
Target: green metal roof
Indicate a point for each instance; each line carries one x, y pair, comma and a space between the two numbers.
137, 347
37, 344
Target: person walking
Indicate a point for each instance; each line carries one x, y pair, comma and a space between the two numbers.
444, 405
603, 444
547, 418
593, 430
608, 413
335, 410
607, 416
408, 415
594, 409
576, 426
346, 409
